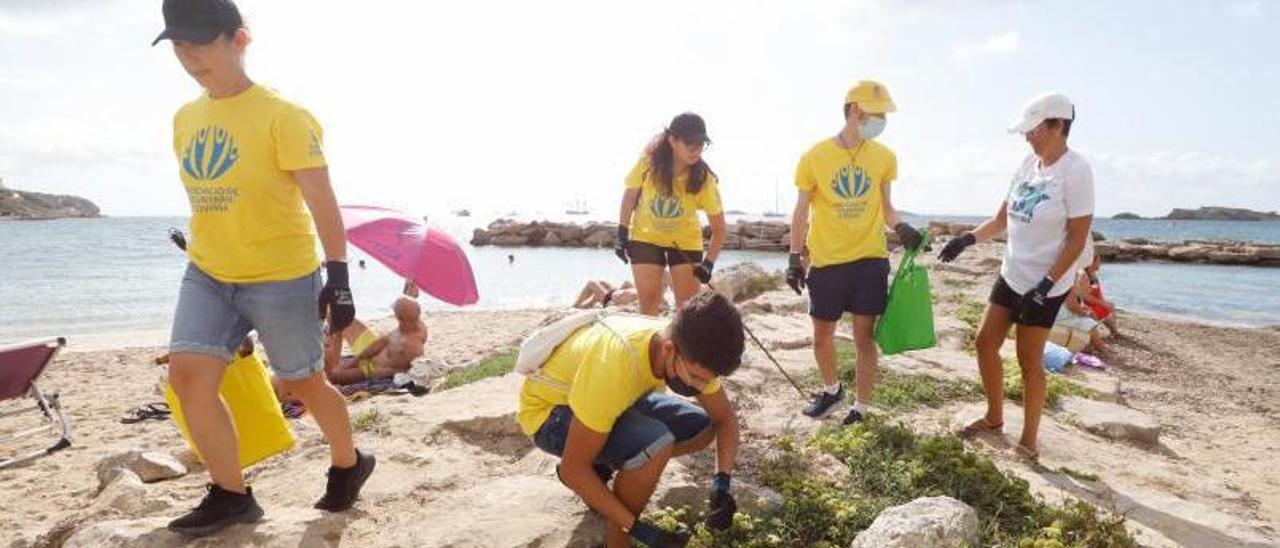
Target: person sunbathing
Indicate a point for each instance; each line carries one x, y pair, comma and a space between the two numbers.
603, 294
378, 357
1077, 315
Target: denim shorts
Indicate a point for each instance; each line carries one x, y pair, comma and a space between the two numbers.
213, 317
653, 423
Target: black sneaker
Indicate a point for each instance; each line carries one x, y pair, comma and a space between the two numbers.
219, 509
823, 402
345, 483
852, 417
603, 472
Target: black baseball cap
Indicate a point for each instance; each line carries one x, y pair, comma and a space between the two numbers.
198, 21
690, 128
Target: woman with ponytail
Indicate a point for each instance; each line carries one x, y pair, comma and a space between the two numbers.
658, 225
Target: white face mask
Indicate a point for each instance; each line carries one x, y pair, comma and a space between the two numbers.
872, 127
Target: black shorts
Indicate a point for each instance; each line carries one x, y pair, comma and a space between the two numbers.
645, 253
1003, 295
860, 287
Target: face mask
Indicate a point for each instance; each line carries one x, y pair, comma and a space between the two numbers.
677, 385
872, 126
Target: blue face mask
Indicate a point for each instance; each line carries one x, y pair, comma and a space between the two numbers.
872, 127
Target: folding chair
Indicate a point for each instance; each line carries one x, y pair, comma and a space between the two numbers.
20, 366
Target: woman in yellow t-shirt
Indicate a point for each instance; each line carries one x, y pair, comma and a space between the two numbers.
658, 226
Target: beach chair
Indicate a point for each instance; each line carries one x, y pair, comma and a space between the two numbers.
20, 366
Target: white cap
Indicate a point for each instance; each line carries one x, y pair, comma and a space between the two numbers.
1043, 107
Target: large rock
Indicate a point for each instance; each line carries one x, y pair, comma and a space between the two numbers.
744, 281
508, 240
149, 466
600, 238
1113, 421
125, 493
931, 522
1189, 253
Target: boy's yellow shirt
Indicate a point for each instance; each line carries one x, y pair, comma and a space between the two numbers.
603, 377
846, 204
236, 156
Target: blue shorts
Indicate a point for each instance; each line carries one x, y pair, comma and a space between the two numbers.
655, 422
213, 317
860, 288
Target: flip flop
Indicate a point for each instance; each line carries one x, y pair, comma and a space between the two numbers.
1029, 454
981, 426
150, 411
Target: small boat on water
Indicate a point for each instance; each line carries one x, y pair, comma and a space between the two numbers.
462, 213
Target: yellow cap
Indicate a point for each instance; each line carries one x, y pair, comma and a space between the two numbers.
871, 96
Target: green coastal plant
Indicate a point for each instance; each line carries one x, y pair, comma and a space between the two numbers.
372, 421
1056, 386
495, 365
896, 391
891, 465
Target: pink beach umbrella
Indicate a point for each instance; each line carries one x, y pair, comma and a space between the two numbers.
414, 249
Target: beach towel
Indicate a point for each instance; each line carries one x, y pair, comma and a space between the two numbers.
1056, 358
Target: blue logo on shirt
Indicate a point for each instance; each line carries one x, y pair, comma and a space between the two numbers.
209, 154
851, 183
666, 207
1025, 198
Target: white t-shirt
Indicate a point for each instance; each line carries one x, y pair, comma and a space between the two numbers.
1040, 202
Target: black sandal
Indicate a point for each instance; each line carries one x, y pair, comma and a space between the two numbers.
151, 411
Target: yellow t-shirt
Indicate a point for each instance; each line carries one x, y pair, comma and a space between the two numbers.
248, 220
670, 221
846, 211
603, 378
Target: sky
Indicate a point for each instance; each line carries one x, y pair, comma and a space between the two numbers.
497, 105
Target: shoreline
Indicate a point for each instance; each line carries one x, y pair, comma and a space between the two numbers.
142, 339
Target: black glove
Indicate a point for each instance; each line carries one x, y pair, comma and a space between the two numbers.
703, 271
909, 236
957, 246
654, 537
795, 272
620, 245
178, 238
336, 302
1038, 295
722, 506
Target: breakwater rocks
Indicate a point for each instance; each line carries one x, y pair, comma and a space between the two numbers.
776, 236
756, 236
1190, 251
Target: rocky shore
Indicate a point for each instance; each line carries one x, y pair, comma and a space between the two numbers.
776, 236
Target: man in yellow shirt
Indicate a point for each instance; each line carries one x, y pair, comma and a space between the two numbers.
254, 170
600, 403
840, 217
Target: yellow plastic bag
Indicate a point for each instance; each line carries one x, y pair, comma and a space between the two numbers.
260, 425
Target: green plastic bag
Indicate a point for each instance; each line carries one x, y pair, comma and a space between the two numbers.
907, 322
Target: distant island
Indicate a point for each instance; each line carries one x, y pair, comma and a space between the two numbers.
24, 205
1221, 214
1206, 214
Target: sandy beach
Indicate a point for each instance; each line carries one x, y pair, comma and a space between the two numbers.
455, 471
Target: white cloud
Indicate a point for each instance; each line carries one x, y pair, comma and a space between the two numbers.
1248, 9
997, 45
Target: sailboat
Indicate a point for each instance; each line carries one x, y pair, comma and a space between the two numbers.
775, 213
579, 207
